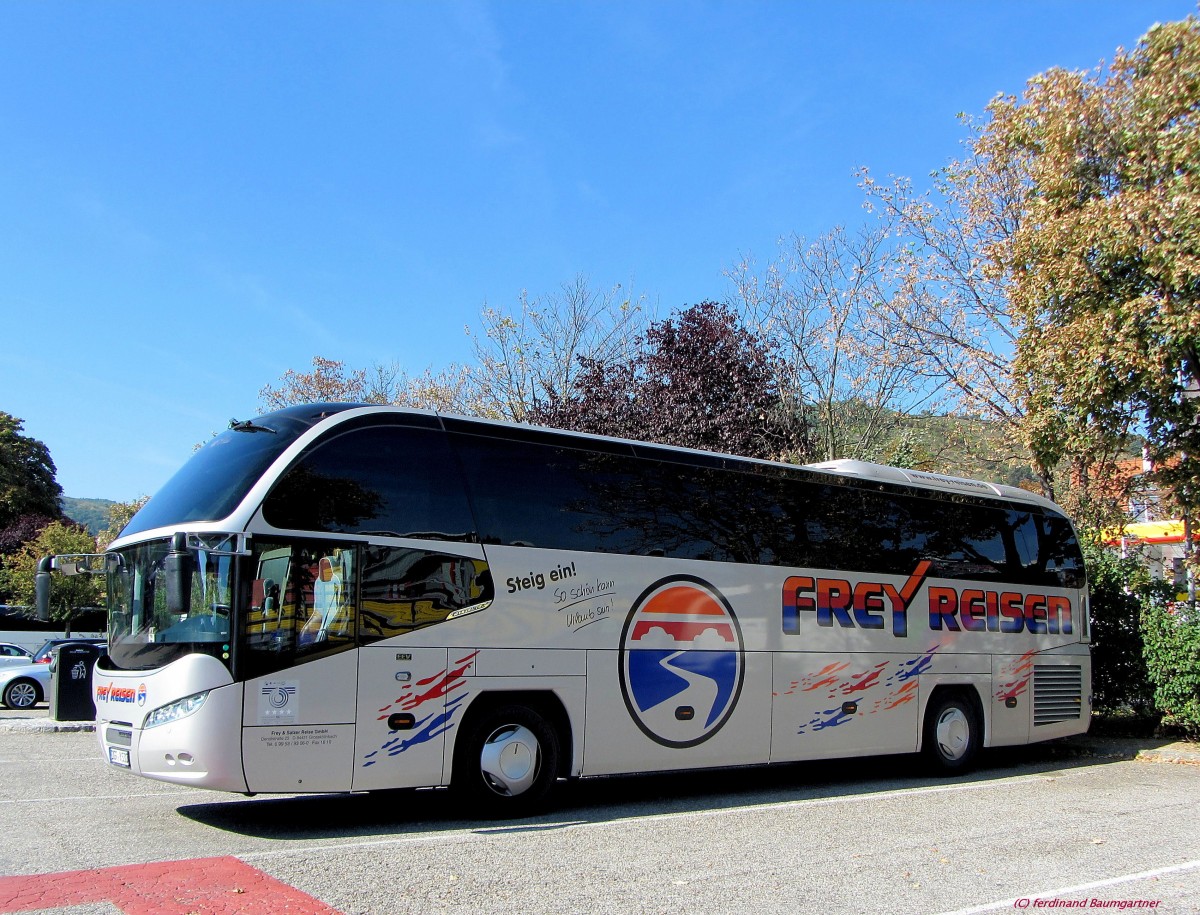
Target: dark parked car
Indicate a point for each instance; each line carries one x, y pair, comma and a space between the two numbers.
43, 654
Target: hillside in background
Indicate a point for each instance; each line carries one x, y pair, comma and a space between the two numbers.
91, 513
958, 446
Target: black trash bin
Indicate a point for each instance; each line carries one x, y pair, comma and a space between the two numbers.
71, 682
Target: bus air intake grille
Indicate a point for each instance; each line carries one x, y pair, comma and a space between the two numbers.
1057, 694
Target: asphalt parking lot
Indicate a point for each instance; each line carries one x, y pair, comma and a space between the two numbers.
1090, 822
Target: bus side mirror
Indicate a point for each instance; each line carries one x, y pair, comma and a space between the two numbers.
41, 587
177, 566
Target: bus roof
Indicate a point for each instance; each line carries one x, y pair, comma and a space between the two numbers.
903, 476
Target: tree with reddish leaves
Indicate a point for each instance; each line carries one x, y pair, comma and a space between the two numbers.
700, 380
21, 531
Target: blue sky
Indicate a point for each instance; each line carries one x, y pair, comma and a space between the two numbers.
197, 196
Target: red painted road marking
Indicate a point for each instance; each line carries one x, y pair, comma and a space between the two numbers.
202, 886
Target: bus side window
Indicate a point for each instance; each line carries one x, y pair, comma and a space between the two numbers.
303, 603
1060, 551
406, 589
331, 614
391, 480
1025, 540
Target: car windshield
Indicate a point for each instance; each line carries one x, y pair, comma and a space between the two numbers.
142, 632
43, 654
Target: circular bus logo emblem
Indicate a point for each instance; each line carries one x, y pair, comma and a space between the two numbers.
682, 661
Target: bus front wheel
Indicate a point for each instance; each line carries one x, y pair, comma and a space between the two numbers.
952, 734
506, 762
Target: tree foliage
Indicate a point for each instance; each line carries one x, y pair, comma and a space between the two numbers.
533, 356
331, 381
1171, 630
119, 515
1105, 264
1118, 585
522, 358
700, 380
841, 358
67, 593
27, 475
21, 531
328, 382
948, 302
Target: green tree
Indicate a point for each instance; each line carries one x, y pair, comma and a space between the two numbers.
1118, 588
119, 515
1171, 631
27, 475
68, 594
1105, 265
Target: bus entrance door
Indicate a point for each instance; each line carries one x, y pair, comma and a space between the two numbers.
299, 727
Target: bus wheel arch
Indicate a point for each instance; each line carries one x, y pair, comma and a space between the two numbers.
953, 729
510, 750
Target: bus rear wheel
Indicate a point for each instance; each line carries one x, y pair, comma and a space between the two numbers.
506, 762
952, 734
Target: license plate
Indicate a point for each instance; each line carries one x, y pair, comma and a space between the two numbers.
118, 757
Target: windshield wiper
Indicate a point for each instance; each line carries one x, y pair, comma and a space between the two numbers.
248, 425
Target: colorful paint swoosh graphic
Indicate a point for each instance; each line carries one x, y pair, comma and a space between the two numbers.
879, 688
424, 695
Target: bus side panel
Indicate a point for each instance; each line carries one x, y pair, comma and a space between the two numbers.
408, 698
828, 705
1062, 693
1011, 701
625, 735
299, 727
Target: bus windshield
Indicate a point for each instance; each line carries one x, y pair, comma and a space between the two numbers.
216, 478
142, 632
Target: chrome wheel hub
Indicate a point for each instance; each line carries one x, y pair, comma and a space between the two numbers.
510, 760
953, 733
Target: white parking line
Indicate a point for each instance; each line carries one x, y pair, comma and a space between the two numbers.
1066, 891
103, 797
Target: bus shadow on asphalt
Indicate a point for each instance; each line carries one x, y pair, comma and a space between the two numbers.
607, 799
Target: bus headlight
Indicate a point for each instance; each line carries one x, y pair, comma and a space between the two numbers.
180, 708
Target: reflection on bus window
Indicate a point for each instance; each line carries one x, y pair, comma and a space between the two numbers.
406, 589
302, 604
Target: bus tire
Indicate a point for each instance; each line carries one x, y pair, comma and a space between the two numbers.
952, 733
22, 694
506, 762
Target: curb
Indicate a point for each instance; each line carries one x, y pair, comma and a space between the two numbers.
44, 726
1139, 749
1171, 756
